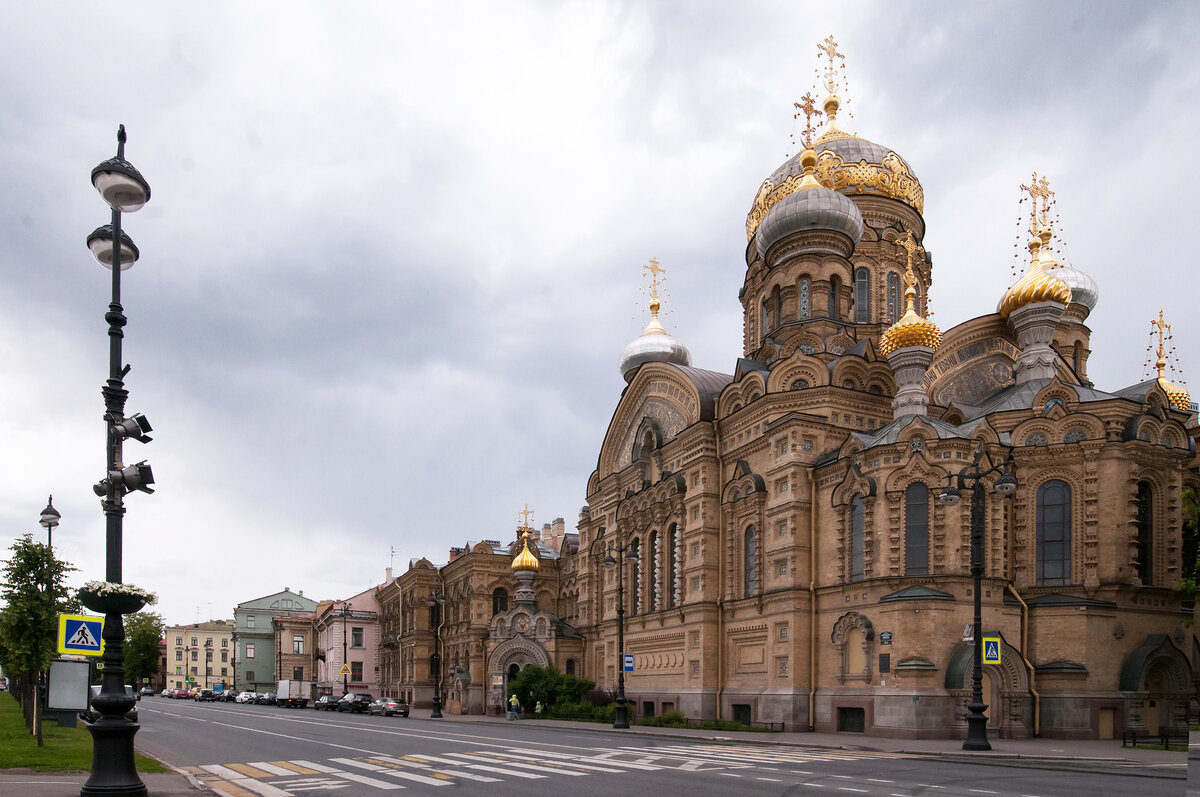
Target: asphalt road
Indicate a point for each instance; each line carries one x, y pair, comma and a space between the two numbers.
239, 750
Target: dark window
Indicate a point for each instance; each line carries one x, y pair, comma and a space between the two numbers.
851, 720
916, 529
1054, 533
835, 287
499, 601
356, 671
750, 562
857, 538
1145, 533
862, 294
297, 673
570, 666
742, 713
893, 298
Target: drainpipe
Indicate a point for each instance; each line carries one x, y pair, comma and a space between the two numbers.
812, 599
1037, 698
720, 580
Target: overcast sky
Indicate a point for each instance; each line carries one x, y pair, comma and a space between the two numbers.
394, 250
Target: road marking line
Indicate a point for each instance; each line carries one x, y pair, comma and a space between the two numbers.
851, 788
226, 789
235, 778
556, 766
535, 767
379, 784
249, 770
293, 767
510, 772
447, 772
879, 780
428, 781
271, 769
314, 767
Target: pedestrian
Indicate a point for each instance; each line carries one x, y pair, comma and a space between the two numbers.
538, 709
513, 705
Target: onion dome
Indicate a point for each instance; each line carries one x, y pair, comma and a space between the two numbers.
845, 163
525, 560
654, 345
1039, 283
809, 207
911, 329
1178, 396
1084, 291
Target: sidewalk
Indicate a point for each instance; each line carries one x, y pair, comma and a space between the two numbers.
1088, 753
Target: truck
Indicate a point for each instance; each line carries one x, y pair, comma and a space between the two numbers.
293, 694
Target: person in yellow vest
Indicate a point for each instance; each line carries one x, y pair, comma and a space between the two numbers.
513, 707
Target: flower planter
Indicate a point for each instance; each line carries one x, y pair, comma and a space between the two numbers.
111, 602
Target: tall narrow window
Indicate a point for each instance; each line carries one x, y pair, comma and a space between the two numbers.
1054, 533
916, 529
750, 562
1145, 533
805, 299
654, 574
858, 546
835, 287
777, 305
893, 298
766, 318
862, 295
635, 579
672, 566
499, 601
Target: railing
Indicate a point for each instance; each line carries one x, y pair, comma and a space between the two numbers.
1164, 740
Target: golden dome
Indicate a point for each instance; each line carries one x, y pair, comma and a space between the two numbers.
1179, 397
1037, 284
911, 329
525, 560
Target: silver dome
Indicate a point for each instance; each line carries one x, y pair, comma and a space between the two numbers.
655, 345
811, 209
1083, 288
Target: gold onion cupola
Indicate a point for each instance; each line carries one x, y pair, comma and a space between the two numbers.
911, 329
1038, 284
1178, 396
845, 162
525, 560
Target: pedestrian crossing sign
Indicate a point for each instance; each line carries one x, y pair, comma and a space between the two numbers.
991, 650
345, 670
80, 634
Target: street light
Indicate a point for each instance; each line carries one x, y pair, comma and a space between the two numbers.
951, 494
436, 601
621, 715
233, 685
345, 666
113, 772
49, 521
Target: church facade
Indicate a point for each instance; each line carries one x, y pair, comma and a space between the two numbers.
789, 549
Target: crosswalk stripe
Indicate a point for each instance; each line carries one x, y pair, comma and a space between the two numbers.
249, 770
568, 762
447, 772
379, 784
227, 789
270, 769
294, 768
428, 781
522, 765
238, 779
313, 767
573, 757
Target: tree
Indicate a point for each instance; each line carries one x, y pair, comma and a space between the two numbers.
1191, 540
34, 594
143, 632
547, 685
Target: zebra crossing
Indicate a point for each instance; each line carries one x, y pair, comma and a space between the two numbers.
391, 773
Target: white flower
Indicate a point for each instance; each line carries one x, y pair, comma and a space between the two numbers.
113, 588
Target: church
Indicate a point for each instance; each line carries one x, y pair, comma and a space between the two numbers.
799, 540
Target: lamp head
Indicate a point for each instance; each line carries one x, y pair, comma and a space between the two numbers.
609, 561
950, 495
1006, 485
101, 244
50, 516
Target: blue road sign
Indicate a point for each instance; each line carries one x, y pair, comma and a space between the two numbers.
80, 634
991, 650
628, 662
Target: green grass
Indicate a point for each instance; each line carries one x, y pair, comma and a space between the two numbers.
62, 750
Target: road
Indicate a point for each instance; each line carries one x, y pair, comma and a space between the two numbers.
243, 751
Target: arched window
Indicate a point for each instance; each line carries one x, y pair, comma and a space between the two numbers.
655, 602
766, 318
635, 580
835, 287
858, 547
499, 601
1145, 533
672, 566
570, 666
805, 304
777, 305
750, 562
916, 530
862, 295
1054, 533
893, 298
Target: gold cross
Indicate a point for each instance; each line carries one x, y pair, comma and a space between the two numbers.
829, 47
912, 247
526, 513
1163, 327
655, 269
1039, 189
808, 107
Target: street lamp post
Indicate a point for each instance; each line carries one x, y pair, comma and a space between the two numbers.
233, 685
436, 601
113, 772
951, 494
345, 665
49, 521
621, 714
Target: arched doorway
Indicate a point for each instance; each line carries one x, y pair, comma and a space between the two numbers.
1156, 682
1005, 691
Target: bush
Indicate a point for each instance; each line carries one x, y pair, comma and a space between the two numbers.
599, 697
674, 719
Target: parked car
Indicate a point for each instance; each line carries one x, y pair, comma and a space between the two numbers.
91, 715
180, 694
145, 691
204, 696
266, 700
327, 703
388, 707
355, 702
228, 696
165, 693
245, 697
